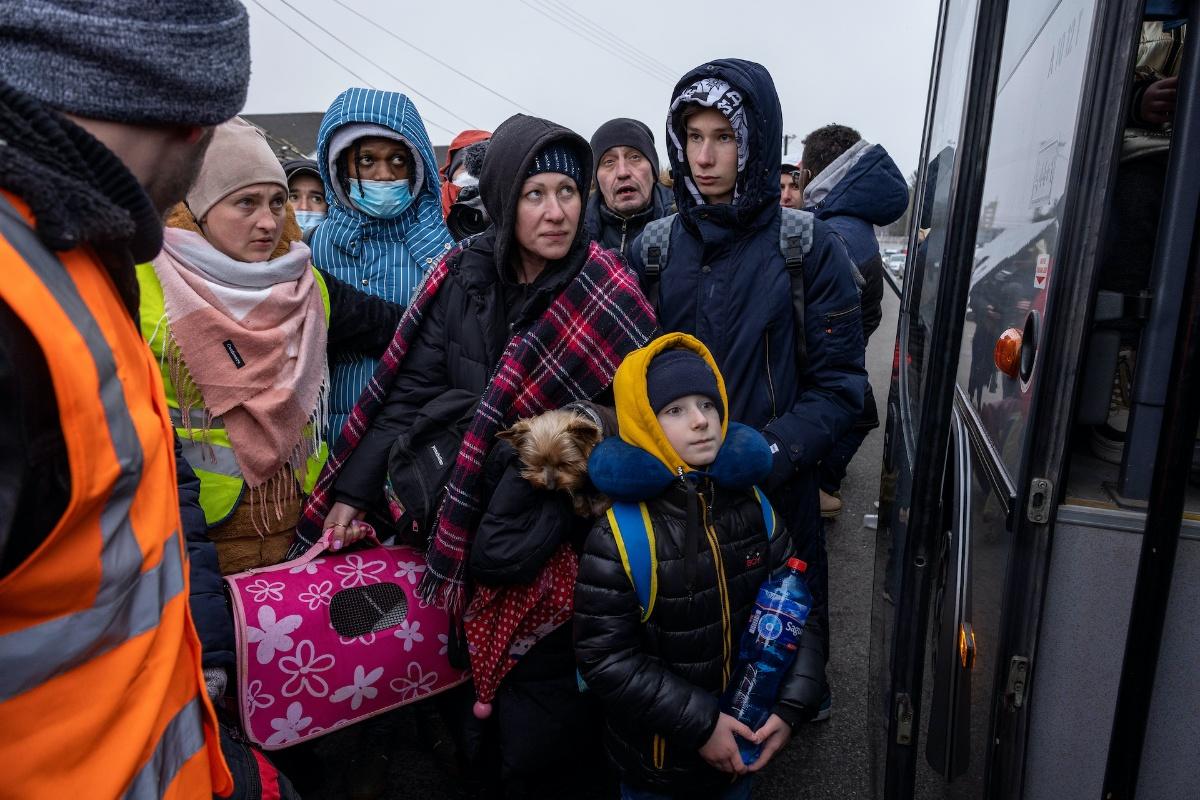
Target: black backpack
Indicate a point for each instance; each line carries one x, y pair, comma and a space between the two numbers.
795, 242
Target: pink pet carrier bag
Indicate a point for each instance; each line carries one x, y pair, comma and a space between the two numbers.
328, 639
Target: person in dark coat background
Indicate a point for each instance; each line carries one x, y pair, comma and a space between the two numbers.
630, 195
854, 186
727, 285
454, 165
791, 190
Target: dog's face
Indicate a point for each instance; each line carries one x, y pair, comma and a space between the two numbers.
554, 449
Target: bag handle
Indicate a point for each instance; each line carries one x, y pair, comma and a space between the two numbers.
322, 545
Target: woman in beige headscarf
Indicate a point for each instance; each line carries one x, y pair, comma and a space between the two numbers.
241, 323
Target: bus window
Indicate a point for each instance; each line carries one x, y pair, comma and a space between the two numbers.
1037, 107
944, 130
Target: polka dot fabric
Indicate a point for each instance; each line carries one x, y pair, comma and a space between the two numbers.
503, 624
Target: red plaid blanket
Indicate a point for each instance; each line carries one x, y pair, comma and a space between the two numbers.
570, 353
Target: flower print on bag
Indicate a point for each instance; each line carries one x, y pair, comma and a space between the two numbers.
356, 572
409, 633
309, 567
318, 594
289, 728
444, 638
303, 668
263, 590
256, 698
359, 689
272, 634
366, 638
417, 684
411, 570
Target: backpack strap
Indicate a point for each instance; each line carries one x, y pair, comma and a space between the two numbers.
634, 534
768, 512
656, 246
795, 242
631, 527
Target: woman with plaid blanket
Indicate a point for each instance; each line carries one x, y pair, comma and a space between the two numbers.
527, 317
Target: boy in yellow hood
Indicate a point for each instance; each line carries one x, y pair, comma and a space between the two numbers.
661, 659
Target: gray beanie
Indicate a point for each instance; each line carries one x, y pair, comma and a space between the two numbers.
627, 132
130, 61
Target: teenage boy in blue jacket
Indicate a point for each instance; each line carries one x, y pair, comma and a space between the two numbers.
726, 283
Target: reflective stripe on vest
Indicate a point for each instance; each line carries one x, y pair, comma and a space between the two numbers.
34, 655
184, 734
110, 612
209, 452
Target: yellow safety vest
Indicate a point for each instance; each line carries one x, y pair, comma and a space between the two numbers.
212, 459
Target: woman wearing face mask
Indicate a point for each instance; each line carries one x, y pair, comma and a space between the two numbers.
306, 193
241, 323
384, 229
550, 315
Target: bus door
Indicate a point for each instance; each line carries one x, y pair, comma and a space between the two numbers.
912, 515
998, 239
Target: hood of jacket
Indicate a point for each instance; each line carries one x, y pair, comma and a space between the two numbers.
641, 463
421, 225
510, 153
757, 184
862, 182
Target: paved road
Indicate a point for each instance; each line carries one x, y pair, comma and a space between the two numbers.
829, 760
825, 760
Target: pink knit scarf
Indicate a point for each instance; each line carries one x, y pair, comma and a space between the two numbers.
251, 338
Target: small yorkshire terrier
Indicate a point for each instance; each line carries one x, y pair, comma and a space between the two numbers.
554, 449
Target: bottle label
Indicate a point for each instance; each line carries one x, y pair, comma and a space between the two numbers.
769, 627
777, 619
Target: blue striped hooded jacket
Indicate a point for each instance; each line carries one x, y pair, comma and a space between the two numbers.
384, 257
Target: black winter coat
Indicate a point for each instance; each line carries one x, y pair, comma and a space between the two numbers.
476, 310
615, 232
456, 348
359, 322
662, 679
206, 589
538, 718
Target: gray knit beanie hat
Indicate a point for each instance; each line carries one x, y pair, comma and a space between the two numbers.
131, 61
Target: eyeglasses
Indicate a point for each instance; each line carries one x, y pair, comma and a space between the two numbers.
800, 177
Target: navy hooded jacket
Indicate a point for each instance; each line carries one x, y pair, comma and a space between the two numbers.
726, 284
861, 189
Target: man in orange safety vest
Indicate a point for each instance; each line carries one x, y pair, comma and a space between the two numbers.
106, 109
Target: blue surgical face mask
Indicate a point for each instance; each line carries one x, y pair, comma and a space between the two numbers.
383, 199
307, 220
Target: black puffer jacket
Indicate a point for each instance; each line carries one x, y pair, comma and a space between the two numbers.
661, 680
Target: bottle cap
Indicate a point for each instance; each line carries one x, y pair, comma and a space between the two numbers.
797, 564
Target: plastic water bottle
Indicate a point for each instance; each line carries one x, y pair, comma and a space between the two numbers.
767, 650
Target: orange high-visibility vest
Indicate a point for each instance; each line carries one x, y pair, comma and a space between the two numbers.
101, 689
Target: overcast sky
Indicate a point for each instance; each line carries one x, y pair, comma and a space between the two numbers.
863, 63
